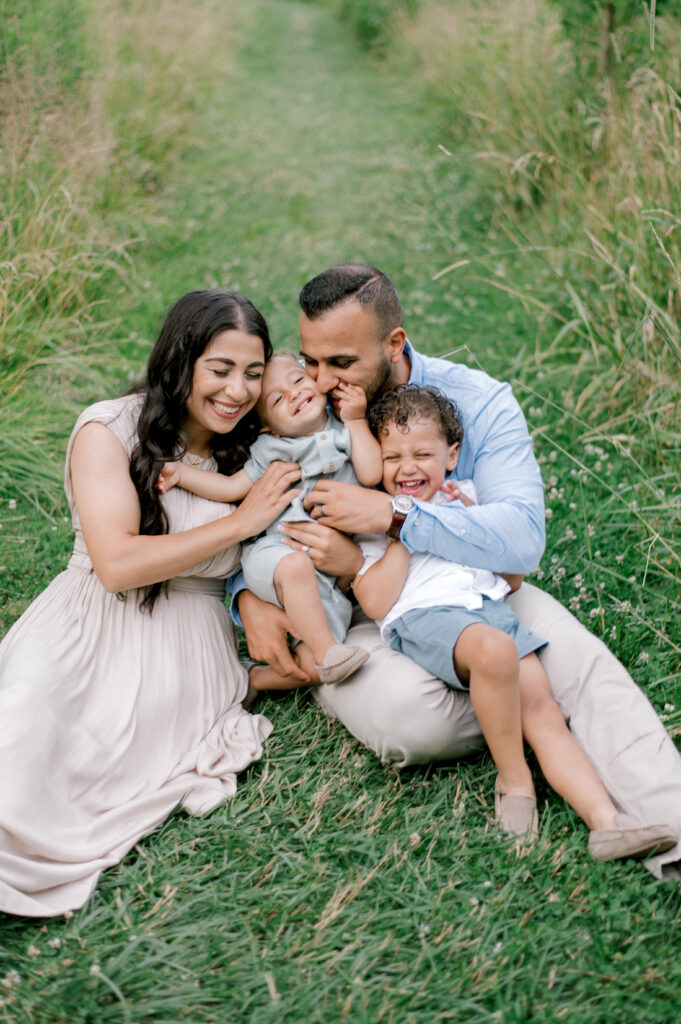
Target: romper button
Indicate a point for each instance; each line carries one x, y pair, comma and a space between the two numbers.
323, 437
332, 467
462, 532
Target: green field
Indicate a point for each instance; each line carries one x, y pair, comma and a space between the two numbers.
248, 146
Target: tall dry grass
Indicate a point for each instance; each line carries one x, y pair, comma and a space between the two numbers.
82, 163
581, 183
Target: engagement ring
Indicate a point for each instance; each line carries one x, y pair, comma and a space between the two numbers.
306, 549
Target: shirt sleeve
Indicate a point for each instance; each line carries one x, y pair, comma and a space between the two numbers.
505, 531
259, 458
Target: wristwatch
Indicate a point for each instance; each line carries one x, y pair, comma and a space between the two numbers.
402, 505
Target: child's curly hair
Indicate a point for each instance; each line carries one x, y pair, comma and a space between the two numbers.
415, 402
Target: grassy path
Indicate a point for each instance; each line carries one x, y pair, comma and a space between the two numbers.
311, 156
332, 888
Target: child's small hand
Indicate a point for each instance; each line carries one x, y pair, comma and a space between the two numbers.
353, 402
455, 494
170, 476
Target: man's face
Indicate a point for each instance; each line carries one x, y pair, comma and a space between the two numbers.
345, 344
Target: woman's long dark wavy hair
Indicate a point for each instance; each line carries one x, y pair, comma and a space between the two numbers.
188, 329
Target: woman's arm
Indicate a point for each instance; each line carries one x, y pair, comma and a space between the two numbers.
109, 512
379, 587
214, 486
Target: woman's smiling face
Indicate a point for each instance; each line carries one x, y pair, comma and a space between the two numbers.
226, 385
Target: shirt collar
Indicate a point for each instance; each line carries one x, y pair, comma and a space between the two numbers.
416, 361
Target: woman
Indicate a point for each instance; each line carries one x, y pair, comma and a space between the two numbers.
120, 688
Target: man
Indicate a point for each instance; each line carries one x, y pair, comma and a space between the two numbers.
351, 330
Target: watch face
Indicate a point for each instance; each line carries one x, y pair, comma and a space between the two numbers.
402, 504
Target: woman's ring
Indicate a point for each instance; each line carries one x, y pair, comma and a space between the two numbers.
318, 510
306, 549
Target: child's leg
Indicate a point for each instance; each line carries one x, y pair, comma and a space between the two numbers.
566, 767
488, 658
295, 580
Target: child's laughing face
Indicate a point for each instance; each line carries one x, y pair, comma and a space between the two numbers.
416, 461
290, 404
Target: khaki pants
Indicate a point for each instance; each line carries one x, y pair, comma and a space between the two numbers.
407, 717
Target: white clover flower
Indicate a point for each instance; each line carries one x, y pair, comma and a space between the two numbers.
574, 604
11, 979
12, 503
578, 580
591, 530
54, 943
570, 533
95, 969
33, 951
619, 559
593, 613
613, 633
549, 513
644, 657
669, 707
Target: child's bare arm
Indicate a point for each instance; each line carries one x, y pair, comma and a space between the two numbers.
365, 449
380, 586
213, 486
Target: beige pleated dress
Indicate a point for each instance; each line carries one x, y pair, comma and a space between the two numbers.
110, 717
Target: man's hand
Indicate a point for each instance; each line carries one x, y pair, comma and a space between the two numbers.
267, 629
331, 552
349, 508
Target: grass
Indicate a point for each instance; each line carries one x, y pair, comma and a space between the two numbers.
331, 887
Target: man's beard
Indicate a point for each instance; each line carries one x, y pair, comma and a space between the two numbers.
381, 378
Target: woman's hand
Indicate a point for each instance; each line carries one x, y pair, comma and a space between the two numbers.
268, 498
349, 508
331, 552
267, 630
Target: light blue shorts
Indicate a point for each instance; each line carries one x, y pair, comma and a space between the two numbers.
261, 557
428, 635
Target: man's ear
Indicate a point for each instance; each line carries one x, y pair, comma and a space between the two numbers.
453, 456
397, 338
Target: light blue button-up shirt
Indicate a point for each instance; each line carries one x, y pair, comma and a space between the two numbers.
505, 531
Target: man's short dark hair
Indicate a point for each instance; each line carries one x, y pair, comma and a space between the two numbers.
358, 282
414, 402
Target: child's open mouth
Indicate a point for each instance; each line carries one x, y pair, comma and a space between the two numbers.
411, 486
